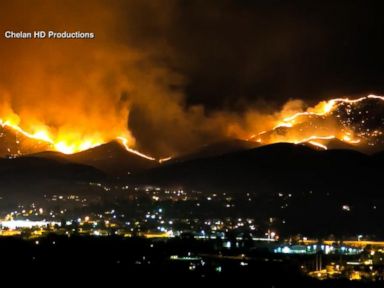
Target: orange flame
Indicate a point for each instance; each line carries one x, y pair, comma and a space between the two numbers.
65, 146
324, 108
124, 141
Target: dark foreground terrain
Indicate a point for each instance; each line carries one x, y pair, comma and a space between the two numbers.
172, 262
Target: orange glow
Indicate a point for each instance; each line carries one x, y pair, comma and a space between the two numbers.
317, 144
38, 135
311, 126
165, 159
313, 140
60, 144
67, 148
349, 139
289, 124
124, 141
67, 144
302, 121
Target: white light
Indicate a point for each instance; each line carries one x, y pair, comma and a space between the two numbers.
286, 250
346, 208
13, 224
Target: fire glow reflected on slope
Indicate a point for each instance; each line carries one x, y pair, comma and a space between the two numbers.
60, 145
342, 119
357, 122
69, 147
124, 141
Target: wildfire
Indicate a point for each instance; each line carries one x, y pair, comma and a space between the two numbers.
60, 145
313, 140
69, 147
317, 144
314, 125
124, 141
350, 121
165, 159
323, 108
39, 135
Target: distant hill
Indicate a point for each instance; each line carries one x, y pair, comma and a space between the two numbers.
304, 190
28, 177
216, 149
281, 166
52, 155
333, 144
338, 144
112, 158
34, 168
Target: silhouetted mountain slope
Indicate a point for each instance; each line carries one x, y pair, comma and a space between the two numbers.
303, 189
216, 149
112, 158
269, 168
36, 169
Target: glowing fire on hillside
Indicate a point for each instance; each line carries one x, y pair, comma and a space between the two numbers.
352, 121
68, 146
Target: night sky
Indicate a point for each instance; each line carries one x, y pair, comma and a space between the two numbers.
237, 52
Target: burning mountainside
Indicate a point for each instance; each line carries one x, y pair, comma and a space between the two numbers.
357, 122
14, 142
337, 123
